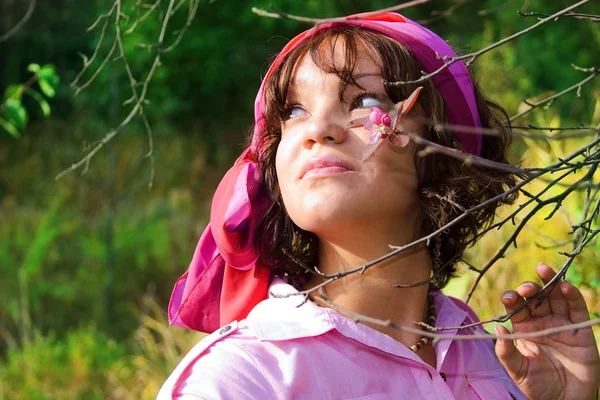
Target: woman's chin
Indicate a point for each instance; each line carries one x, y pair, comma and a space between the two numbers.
326, 215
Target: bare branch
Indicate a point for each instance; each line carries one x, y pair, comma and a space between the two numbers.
582, 131
557, 200
192, 13
594, 72
593, 18
19, 25
472, 56
88, 62
567, 165
279, 14
483, 13
139, 88
141, 19
439, 15
468, 159
95, 75
440, 336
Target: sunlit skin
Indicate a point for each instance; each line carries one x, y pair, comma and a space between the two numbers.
357, 209
560, 366
343, 207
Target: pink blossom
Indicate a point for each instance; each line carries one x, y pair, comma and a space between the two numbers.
378, 117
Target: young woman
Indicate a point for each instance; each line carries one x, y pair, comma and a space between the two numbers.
332, 178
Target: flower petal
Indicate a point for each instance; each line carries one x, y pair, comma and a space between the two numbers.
407, 104
375, 136
356, 123
399, 140
371, 149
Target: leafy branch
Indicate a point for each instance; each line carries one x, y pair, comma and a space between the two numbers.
13, 114
114, 18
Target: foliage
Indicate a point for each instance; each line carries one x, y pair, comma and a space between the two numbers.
14, 116
54, 254
52, 368
87, 364
542, 240
78, 257
157, 349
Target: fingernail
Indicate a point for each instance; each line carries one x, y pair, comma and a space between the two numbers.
508, 296
497, 332
528, 285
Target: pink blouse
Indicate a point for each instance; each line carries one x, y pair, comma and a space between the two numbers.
282, 351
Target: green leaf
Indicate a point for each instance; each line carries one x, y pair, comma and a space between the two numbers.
13, 91
34, 68
41, 101
9, 128
48, 80
47, 88
48, 72
15, 113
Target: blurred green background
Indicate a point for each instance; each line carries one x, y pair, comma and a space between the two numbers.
87, 263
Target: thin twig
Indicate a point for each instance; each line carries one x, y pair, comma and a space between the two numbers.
594, 72
88, 62
19, 24
472, 56
591, 17
279, 14
138, 99
439, 15
557, 200
436, 336
468, 159
141, 19
483, 13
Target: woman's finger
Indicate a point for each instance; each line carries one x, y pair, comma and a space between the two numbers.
530, 289
558, 302
578, 311
512, 300
509, 355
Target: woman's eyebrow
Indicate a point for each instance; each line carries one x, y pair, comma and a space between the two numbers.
356, 84
300, 82
366, 75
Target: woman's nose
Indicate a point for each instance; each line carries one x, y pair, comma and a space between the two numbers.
324, 129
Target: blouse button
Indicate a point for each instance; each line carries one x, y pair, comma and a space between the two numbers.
225, 330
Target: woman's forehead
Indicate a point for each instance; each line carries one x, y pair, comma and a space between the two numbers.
307, 72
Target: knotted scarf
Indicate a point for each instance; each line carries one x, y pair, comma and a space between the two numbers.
224, 281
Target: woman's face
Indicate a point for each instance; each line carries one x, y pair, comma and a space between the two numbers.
324, 184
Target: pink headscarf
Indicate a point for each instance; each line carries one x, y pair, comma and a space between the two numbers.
224, 281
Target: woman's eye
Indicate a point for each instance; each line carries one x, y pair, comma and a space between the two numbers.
366, 101
293, 112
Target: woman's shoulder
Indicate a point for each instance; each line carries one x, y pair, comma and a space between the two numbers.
201, 373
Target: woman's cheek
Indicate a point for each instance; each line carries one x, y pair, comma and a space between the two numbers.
284, 166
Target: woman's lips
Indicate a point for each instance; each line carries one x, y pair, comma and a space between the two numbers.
324, 166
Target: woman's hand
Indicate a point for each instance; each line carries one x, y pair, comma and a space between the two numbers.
564, 365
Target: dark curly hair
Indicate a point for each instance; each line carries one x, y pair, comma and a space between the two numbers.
445, 184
